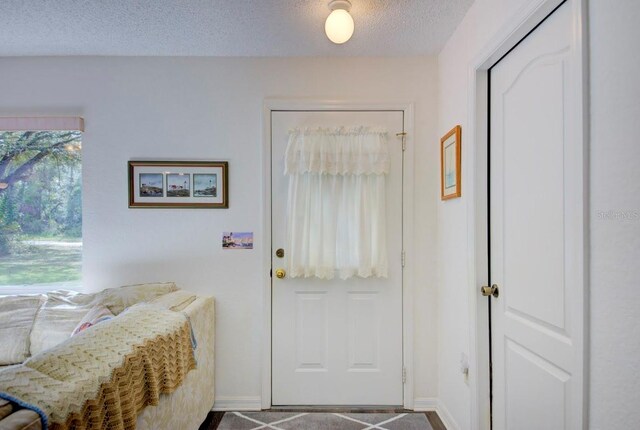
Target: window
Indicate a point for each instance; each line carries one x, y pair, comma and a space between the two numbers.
40, 208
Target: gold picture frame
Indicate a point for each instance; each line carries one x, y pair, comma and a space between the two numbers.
450, 164
179, 184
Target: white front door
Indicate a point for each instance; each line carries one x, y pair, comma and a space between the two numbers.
336, 342
536, 232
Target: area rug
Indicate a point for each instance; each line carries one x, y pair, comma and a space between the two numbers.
323, 421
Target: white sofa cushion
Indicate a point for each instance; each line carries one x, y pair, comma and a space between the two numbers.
58, 317
176, 301
18, 314
118, 299
63, 310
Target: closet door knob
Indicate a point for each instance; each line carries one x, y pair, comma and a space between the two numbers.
490, 291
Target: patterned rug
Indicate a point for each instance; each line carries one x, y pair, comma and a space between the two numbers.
323, 421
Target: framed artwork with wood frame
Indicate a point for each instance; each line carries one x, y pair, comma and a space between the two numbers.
450, 164
178, 184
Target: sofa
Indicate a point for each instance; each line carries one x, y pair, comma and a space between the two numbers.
146, 362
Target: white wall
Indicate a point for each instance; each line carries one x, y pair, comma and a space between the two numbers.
615, 194
208, 108
481, 22
615, 186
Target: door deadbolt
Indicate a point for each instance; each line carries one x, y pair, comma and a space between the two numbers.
490, 291
280, 273
280, 253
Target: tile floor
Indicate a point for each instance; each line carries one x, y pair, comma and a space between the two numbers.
323, 421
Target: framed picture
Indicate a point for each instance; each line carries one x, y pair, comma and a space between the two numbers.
450, 164
178, 184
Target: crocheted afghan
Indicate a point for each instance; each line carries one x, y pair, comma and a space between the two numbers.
102, 377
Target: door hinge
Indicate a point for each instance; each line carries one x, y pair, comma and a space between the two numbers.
404, 375
403, 136
403, 257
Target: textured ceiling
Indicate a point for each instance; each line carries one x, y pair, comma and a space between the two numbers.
222, 27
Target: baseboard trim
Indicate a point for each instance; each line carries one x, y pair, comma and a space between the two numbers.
445, 417
433, 404
246, 403
425, 404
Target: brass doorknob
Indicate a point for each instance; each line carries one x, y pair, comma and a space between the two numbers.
490, 291
280, 273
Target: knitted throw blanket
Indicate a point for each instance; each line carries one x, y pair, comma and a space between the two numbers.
102, 377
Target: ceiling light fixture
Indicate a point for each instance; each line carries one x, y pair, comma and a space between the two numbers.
339, 25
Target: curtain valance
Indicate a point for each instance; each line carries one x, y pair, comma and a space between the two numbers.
340, 151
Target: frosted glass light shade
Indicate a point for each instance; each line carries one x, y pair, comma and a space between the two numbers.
339, 26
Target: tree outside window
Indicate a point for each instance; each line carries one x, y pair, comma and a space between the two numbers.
40, 210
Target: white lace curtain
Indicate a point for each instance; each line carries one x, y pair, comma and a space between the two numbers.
336, 209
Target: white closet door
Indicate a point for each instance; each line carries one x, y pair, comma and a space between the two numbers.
536, 232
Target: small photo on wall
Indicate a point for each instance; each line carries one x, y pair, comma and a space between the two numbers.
178, 185
150, 184
237, 240
205, 185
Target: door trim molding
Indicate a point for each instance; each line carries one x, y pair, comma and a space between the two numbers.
475, 182
407, 230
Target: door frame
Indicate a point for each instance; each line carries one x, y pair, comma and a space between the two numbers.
475, 164
271, 105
